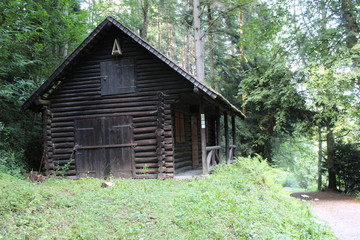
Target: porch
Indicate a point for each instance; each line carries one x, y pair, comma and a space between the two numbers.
211, 141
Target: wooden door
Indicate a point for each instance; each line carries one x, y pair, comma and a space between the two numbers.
104, 146
119, 136
195, 141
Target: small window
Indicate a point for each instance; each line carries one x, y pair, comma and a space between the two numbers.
179, 127
118, 77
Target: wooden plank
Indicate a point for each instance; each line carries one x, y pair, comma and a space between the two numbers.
233, 130
104, 146
218, 132
227, 141
203, 139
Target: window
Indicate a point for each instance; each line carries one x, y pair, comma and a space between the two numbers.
118, 77
179, 127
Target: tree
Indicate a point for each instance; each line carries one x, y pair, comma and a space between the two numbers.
199, 48
328, 65
35, 37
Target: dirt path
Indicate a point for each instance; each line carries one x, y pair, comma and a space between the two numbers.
342, 213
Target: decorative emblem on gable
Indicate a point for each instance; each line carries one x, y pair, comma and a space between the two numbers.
116, 51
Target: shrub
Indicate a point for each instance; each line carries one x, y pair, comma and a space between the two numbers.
348, 167
12, 163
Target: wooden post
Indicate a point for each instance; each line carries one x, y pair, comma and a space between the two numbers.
233, 129
227, 143
203, 139
218, 132
195, 141
320, 156
160, 136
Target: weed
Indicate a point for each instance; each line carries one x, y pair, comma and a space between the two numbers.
145, 169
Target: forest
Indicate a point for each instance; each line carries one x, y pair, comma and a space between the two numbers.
292, 67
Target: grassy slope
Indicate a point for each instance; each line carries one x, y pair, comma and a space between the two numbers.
237, 202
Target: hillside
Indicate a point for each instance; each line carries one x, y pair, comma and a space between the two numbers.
239, 201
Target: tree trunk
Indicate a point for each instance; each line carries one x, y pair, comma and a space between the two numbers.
145, 11
348, 12
199, 49
241, 30
171, 36
159, 34
211, 49
330, 142
320, 157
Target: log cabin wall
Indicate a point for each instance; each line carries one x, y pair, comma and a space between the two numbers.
79, 97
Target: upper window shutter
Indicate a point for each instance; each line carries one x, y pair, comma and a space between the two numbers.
118, 77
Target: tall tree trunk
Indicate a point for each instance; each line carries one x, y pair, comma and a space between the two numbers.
241, 31
348, 12
187, 46
171, 36
159, 33
320, 157
145, 11
211, 49
64, 47
330, 142
199, 48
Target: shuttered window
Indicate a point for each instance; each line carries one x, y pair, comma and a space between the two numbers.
118, 77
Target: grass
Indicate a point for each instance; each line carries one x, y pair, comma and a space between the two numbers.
237, 202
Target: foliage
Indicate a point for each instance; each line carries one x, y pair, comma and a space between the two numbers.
35, 37
298, 157
11, 163
323, 40
227, 205
348, 167
20, 132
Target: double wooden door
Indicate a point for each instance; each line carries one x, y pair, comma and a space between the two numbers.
104, 146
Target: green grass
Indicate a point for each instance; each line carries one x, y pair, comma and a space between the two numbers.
239, 201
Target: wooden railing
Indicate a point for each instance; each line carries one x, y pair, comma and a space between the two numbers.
231, 155
212, 156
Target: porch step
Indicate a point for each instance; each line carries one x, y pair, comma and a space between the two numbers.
190, 174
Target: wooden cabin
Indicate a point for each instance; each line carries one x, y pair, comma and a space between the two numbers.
118, 106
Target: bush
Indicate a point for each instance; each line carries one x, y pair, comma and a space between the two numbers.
12, 163
20, 132
347, 167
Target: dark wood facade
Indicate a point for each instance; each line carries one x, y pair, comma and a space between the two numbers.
130, 115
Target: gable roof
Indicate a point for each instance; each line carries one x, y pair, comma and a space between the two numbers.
53, 79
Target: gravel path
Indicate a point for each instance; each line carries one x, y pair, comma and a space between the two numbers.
342, 213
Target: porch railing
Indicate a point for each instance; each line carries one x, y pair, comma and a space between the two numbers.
212, 156
231, 155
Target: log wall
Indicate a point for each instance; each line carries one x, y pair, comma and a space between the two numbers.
79, 96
